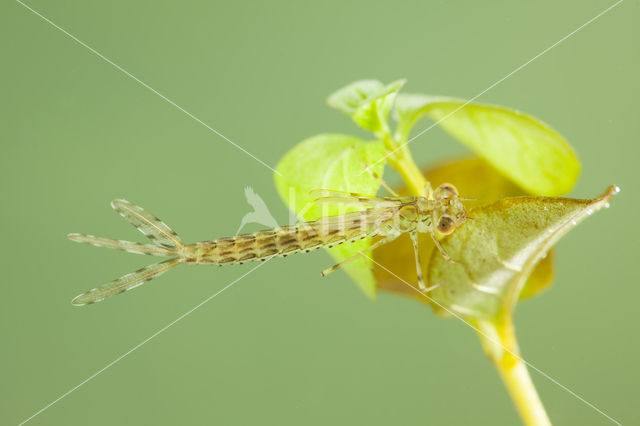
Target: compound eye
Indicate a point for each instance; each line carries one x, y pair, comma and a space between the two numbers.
448, 187
446, 225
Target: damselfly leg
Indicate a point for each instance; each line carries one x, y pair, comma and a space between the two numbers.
414, 239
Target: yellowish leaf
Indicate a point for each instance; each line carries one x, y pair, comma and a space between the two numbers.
497, 251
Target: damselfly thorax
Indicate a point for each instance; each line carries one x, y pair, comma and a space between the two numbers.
437, 212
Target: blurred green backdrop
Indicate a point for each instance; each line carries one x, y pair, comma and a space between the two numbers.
283, 346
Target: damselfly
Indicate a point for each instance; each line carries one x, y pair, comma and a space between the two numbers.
437, 212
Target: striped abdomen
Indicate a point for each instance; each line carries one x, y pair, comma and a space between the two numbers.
306, 236
279, 241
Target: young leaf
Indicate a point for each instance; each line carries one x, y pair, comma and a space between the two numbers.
497, 251
523, 148
336, 162
367, 102
483, 185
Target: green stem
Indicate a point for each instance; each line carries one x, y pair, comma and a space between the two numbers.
499, 342
410, 174
402, 161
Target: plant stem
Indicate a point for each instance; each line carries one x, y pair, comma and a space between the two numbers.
410, 174
402, 161
499, 342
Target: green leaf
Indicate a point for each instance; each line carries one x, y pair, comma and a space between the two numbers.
332, 161
367, 102
523, 148
497, 251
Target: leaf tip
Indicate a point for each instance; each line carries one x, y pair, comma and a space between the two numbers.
398, 84
616, 189
608, 194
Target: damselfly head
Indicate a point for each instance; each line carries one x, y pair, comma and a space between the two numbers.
449, 212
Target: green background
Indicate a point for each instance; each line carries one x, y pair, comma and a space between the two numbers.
283, 346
